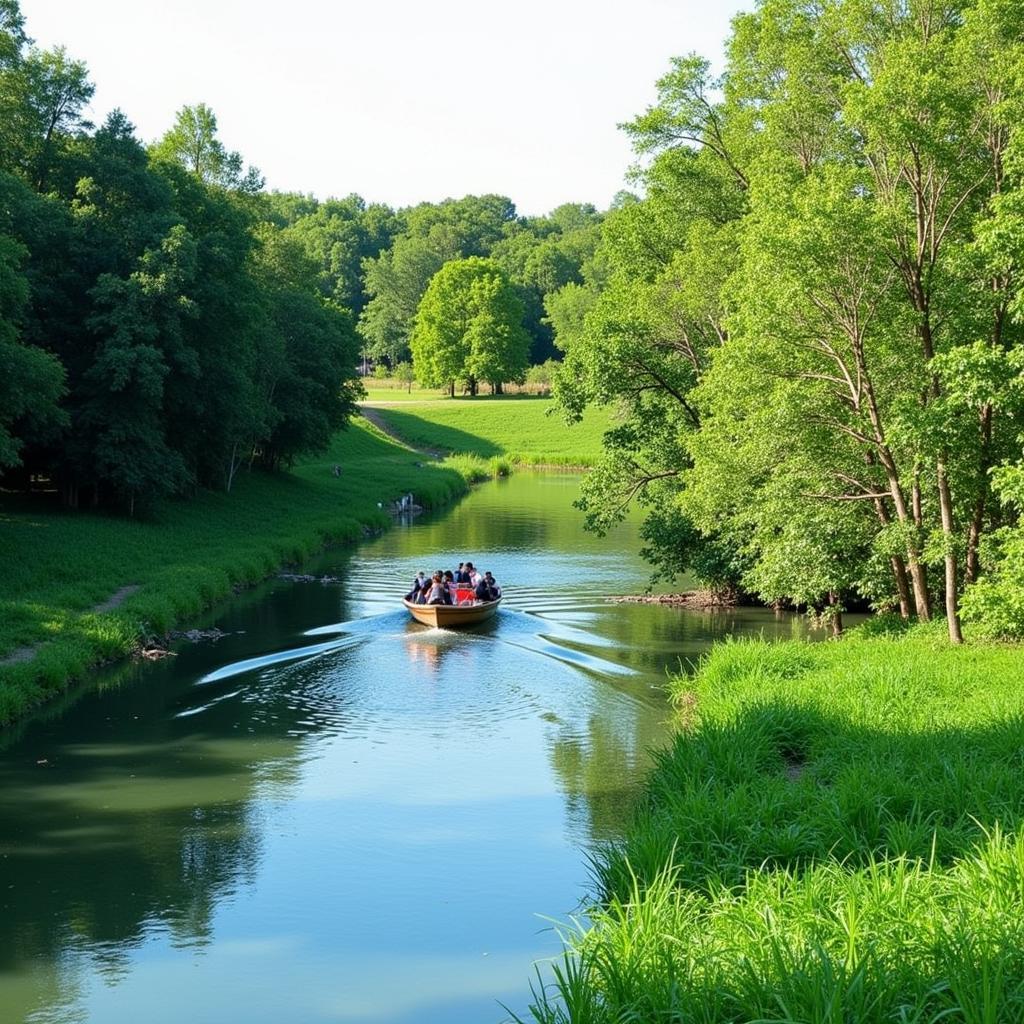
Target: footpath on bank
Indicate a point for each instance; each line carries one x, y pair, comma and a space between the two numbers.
79, 588
513, 429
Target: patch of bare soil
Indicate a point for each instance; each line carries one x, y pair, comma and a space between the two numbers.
385, 428
116, 599
19, 654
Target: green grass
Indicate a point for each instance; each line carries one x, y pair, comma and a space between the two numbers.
376, 393
521, 429
59, 565
832, 837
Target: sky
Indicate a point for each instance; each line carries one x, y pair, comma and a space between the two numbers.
398, 100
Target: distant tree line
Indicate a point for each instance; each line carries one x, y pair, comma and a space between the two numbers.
164, 321
812, 319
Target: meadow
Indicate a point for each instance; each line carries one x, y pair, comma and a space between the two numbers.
518, 428
62, 567
831, 837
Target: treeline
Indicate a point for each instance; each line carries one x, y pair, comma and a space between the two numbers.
378, 263
164, 321
812, 320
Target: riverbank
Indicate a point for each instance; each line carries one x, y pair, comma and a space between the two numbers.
518, 429
831, 835
79, 589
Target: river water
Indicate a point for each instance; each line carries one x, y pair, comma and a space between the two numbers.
335, 814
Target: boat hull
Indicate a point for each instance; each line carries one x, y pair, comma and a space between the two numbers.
447, 616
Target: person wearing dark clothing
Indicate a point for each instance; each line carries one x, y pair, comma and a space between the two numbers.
492, 583
465, 573
483, 591
417, 585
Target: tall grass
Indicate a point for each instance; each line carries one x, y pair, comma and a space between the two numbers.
834, 836
59, 565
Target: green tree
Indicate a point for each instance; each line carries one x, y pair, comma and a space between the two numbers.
397, 278
31, 381
192, 142
469, 328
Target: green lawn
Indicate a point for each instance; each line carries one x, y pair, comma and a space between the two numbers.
833, 836
59, 565
520, 429
392, 394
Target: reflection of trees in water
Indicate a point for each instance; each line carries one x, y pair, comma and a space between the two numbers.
601, 769
524, 513
137, 818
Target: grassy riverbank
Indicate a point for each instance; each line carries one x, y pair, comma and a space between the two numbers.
831, 837
519, 429
63, 570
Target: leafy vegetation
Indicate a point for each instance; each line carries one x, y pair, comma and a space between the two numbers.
469, 328
157, 330
538, 254
832, 836
812, 318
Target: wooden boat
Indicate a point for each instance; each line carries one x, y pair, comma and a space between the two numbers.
447, 616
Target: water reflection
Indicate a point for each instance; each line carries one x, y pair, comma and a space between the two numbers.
334, 812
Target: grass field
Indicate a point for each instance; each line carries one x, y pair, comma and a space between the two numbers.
517, 428
396, 394
60, 566
833, 837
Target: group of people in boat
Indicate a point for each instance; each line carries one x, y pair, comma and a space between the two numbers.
467, 585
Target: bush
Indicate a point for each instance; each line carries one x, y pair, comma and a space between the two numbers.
994, 605
540, 377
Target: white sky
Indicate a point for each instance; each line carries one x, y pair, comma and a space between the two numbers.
398, 100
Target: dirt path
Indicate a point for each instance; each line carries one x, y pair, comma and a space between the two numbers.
116, 599
28, 652
18, 655
385, 428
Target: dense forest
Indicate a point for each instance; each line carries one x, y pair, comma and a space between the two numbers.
165, 321
811, 323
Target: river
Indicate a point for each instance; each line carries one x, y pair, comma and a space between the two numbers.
332, 813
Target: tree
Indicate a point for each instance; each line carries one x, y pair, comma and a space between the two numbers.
817, 237
469, 328
31, 381
312, 387
406, 374
339, 235
193, 143
58, 92
398, 277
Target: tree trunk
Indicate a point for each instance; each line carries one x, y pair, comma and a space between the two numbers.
899, 571
233, 464
899, 568
972, 566
946, 511
836, 615
918, 575
451, 390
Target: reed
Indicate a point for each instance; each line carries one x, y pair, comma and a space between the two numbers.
832, 836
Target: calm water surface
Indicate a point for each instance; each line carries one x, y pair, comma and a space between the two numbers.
334, 814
